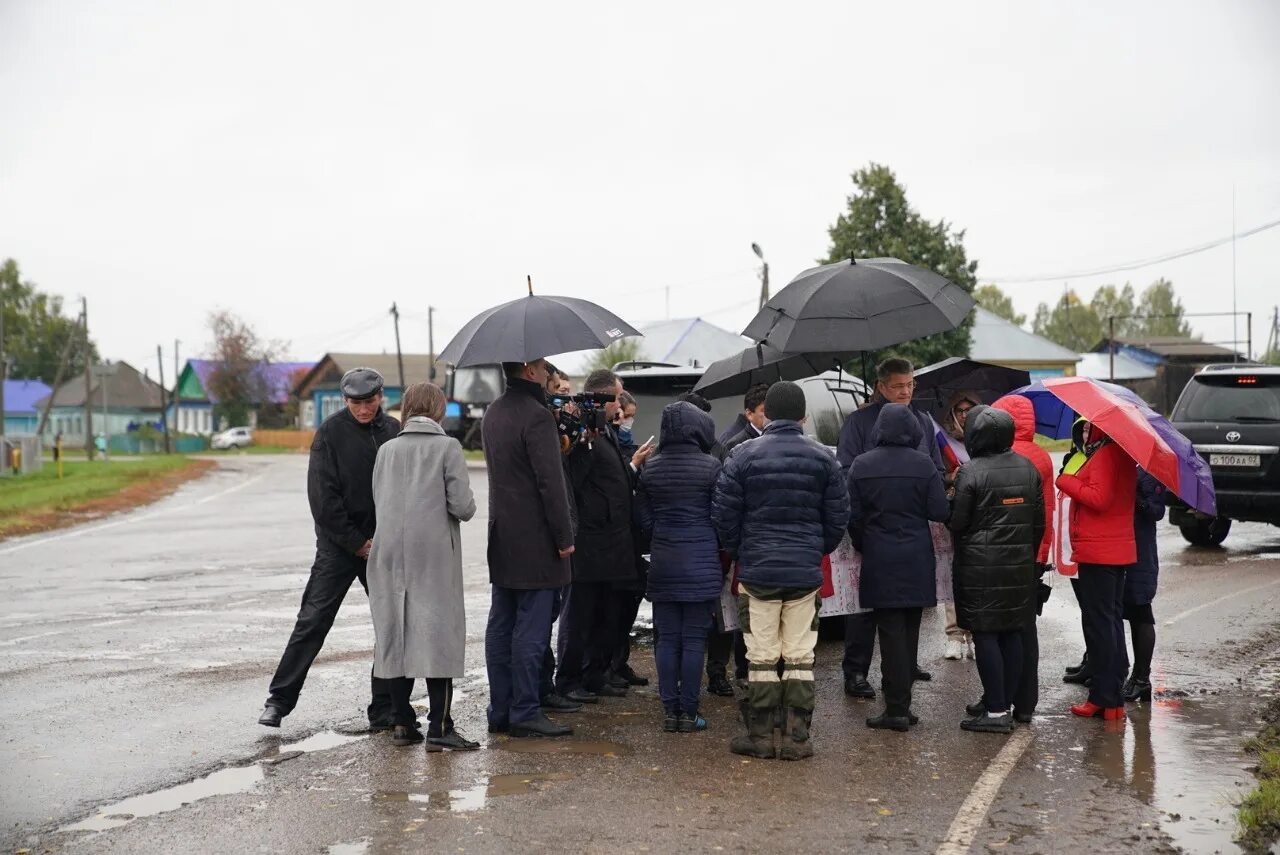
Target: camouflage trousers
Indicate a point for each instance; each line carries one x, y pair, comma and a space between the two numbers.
780, 630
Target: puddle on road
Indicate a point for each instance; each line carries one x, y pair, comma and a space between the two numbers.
355, 847
1184, 758
476, 797
570, 746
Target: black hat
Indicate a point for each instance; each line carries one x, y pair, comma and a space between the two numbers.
784, 400
360, 384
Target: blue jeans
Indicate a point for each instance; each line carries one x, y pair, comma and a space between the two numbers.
682, 643
514, 644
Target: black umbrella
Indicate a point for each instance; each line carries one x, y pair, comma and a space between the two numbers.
533, 327
857, 305
763, 364
936, 383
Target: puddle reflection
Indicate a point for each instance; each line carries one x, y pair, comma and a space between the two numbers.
476, 797
568, 746
224, 782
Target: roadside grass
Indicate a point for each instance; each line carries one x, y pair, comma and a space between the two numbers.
40, 500
1259, 814
258, 449
474, 454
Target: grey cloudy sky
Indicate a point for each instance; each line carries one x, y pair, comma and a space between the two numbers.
304, 164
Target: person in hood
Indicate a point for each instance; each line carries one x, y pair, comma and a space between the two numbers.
673, 508
1140, 584
894, 492
780, 506
954, 455
997, 518
1103, 493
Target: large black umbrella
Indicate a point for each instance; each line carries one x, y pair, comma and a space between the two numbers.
763, 364
533, 327
854, 305
936, 383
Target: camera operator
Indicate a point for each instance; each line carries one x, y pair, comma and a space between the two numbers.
601, 481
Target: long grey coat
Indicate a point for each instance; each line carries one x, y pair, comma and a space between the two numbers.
421, 492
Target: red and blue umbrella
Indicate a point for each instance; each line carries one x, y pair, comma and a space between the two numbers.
1145, 435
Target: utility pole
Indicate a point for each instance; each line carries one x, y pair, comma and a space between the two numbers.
165, 399
1111, 344
395, 313
764, 274
57, 381
4, 376
177, 377
88, 382
431, 343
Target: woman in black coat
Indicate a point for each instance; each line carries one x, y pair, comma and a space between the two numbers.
1140, 586
997, 518
894, 492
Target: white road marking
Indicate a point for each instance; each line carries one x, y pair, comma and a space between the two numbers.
132, 518
1189, 612
974, 810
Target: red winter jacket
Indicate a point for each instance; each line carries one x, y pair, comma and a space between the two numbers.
1024, 444
1102, 495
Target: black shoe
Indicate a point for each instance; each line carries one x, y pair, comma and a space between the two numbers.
1076, 669
271, 716
632, 678
611, 691
921, 675
1079, 678
538, 726
582, 696
884, 721
453, 741
1137, 689
671, 723
720, 686
858, 687
501, 727
690, 722
617, 681
402, 735
978, 708
557, 703
913, 719
1023, 717
988, 724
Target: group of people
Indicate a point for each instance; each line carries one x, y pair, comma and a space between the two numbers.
584, 524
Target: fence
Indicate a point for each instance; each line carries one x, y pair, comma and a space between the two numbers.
29, 447
297, 440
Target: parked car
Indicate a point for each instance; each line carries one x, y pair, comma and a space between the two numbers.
236, 437
1232, 415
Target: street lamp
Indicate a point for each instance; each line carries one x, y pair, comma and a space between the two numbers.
764, 274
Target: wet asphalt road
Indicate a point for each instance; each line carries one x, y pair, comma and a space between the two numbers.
135, 654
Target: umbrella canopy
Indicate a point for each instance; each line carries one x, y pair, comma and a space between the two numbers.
855, 305
534, 327
936, 383
736, 374
1142, 431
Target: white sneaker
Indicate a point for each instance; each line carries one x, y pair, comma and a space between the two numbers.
969, 651
955, 649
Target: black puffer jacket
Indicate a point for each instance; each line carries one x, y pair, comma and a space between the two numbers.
340, 478
997, 518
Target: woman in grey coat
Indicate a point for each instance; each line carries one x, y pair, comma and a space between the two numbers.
421, 492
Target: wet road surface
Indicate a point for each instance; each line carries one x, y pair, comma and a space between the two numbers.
135, 655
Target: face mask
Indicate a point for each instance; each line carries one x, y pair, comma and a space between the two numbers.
626, 424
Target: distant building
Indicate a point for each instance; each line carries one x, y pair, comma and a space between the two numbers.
318, 391
131, 399
21, 415
684, 341
1002, 342
195, 403
1173, 360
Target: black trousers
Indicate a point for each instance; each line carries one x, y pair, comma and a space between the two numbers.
899, 631
588, 636
721, 646
999, 656
1102, 607
627, 607
859, 643
547, 681
439, 696
331, 578
1087, 671
1027, 695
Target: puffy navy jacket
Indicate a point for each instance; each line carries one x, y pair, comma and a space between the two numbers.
1140, 582
673, 504
855, 436
894, 491
780, 506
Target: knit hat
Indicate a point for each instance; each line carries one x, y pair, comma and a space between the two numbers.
785, 400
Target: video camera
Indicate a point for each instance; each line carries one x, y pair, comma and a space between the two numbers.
578, 414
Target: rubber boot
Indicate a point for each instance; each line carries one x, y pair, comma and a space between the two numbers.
758, 740
795, 736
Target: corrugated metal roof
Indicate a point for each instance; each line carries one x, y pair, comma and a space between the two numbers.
999, 341
20, 396
127, 389
1098, 366
1170, 345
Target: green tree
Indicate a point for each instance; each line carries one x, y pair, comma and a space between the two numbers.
1162, 312
36, 331
622, 350
991, 298
879, 222
237, 380
1108, 302
1070, 322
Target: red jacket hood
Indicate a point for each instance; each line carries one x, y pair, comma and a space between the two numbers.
1024, 416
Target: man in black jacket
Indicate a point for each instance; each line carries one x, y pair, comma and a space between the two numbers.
530, 541
340, 490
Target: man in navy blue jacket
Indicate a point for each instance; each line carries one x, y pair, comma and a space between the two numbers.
895, 384
780, 506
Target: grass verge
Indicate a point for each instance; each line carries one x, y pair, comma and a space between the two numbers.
1259, 814
41, 501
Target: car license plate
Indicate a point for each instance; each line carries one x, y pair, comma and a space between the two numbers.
1242, 460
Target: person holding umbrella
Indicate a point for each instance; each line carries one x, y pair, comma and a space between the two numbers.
1103, 492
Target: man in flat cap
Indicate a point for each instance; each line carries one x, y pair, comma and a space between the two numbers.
340, 489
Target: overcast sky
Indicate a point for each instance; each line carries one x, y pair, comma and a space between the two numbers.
305, 164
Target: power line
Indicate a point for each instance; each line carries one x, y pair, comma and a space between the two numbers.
1131, 265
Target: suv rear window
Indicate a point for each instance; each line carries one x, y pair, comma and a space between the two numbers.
1231, 398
